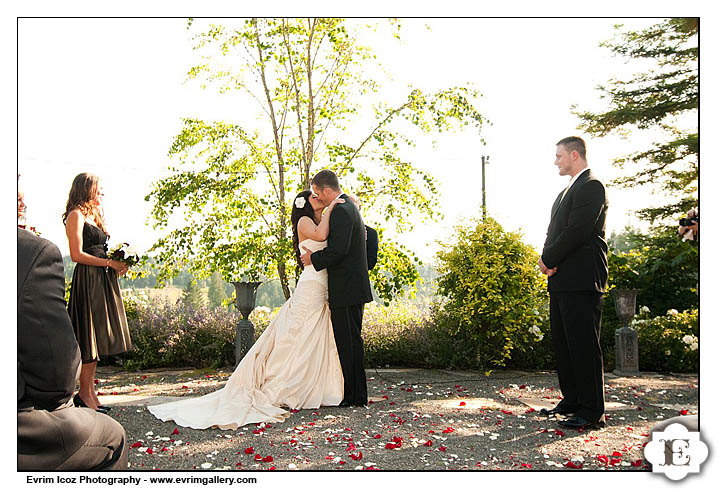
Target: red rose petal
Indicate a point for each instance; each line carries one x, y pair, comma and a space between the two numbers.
462, 404
249, 450
175, 432
377, 436
442, 448
149, 450
137, 444
573, 465
684, 412
448, 430
257, 457
428, 444
637, 463
268, 459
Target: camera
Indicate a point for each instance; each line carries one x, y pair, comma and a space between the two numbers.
688, 221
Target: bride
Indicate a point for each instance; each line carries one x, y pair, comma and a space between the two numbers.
294, 364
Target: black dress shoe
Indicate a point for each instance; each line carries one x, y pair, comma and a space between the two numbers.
580, 423
553, 411
78, 402
345, 403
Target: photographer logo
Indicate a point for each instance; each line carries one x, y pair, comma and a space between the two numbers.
676, 452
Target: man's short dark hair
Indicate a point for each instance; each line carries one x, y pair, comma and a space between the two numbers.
326, 178
574, 143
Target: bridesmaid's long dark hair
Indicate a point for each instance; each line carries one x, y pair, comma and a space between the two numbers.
84, 189
297, 214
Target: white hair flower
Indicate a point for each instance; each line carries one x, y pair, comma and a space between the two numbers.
300, 202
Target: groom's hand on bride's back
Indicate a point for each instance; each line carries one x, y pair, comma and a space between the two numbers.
306, 257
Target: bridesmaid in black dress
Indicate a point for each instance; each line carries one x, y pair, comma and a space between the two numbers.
95, 306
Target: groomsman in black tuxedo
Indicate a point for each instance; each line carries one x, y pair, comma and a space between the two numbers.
372, 237
345, 259
52, 434
574, 259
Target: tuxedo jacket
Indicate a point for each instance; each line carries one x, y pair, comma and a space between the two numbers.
576, 238
48, 357
372, 247
345, 257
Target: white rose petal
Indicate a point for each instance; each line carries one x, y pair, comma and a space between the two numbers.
206, 466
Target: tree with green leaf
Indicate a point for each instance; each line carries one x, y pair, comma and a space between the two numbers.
216, 290
193, 295
663, 99
307, 87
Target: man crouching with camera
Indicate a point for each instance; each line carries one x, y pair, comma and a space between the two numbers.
688, 226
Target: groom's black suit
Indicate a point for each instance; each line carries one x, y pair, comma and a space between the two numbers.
576, 244
345, 259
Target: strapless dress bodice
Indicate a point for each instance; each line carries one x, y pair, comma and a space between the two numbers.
309, 273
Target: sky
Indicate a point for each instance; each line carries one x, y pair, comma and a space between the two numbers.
107, 96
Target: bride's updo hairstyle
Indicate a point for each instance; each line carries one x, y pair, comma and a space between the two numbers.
297, 214
84, 189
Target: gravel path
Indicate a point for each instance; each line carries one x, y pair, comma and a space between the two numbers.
416, 420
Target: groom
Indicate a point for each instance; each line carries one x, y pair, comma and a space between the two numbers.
346, 262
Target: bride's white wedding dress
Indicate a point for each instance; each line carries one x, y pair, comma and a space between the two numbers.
293, 364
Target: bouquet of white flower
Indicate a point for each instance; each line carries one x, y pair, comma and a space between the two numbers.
124, 253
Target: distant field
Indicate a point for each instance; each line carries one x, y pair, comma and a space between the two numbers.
170, 294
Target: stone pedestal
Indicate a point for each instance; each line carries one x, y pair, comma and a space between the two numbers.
246, 296
626, 352
626, 337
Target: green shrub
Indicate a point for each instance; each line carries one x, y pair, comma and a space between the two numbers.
667, 343
661, 266
396, 335
494, 293
166, 335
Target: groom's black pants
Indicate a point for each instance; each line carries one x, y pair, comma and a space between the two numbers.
347, 324
576, 334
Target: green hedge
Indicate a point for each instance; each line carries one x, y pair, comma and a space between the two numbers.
399, 335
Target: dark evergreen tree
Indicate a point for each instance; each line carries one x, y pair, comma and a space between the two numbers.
664, 98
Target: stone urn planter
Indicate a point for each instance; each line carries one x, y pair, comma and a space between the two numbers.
246, 296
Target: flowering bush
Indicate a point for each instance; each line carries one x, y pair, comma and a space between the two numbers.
167, 335
667, 343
